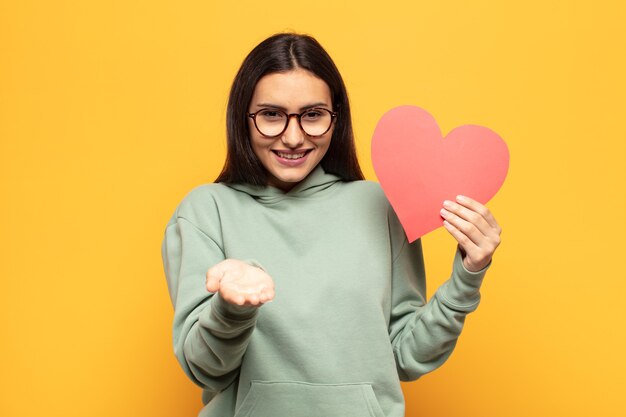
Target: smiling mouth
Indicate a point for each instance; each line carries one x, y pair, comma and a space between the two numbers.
292, 155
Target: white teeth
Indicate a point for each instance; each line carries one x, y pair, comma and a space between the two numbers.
290, 155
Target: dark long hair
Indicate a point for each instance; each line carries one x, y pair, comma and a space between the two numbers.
280, 53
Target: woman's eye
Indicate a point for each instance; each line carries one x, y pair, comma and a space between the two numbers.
271, 114
312, 115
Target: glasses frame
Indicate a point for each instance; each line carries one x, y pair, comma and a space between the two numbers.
298, 116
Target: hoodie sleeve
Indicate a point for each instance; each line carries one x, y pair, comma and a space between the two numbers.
210, 335
424, 334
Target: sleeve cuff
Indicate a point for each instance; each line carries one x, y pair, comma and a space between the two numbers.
461, 291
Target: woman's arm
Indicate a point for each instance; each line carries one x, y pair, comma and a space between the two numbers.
210, 334
423, 335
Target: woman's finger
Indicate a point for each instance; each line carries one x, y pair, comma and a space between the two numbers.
480, 209
253, 299
213, 277
486, 243
267, 295
474, 257
473, 217
464, 241
468, 229
232, 296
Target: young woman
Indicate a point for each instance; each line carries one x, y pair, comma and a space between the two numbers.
290, 220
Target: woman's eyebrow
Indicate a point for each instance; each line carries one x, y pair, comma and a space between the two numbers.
308, 106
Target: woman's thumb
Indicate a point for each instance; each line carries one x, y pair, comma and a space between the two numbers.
213, 277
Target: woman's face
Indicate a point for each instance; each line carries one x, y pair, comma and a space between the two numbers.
290, 157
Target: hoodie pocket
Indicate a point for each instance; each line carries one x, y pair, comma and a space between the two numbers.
301, 399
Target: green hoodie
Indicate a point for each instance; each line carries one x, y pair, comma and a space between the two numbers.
349, 319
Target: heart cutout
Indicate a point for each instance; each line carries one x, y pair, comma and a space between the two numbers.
418, 169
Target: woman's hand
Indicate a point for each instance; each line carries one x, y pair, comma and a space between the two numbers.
475, 228
240, 283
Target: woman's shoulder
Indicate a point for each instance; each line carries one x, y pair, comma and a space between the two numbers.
366, 189
363, 195
201, 201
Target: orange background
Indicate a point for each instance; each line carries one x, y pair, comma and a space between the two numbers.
111, 111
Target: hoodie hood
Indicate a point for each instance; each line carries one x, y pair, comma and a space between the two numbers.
318, 180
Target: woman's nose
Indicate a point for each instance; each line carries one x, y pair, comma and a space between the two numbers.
293, 136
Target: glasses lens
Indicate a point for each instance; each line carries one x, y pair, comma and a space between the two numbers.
316, 122
271, 122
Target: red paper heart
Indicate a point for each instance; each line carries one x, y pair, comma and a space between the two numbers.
418, 169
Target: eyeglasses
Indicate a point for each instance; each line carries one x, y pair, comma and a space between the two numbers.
272, 123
